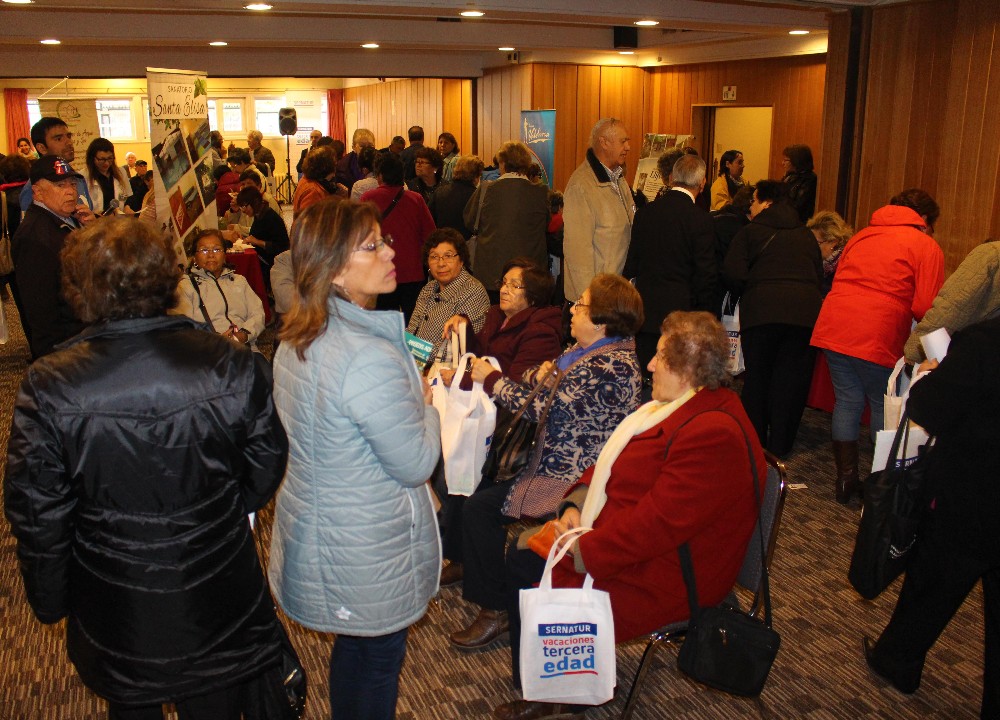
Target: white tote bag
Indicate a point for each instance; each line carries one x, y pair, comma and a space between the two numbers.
467, 425
567, 640
731, 323
895, 396
915, 438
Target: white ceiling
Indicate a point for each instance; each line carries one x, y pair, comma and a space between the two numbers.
120, 38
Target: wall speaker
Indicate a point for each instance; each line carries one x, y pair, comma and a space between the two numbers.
626, 38
288, 122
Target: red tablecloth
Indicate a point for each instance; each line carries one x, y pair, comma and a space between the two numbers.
247, 264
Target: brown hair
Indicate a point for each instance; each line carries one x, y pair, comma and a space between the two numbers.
118, 268
320, 162
250, 196
323, 238
696, 348
616, 304
450, 236
467, 167
515, 156
538, 283
920, 202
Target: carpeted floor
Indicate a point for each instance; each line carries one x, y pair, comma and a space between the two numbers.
819, 672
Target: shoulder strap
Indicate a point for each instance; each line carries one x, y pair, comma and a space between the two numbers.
761, 253
479, 211
684, 550
392, 205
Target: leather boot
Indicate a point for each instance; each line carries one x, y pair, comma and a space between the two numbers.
845, 455
452, 574
487, 627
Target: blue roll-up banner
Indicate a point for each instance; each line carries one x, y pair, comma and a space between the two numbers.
538, 132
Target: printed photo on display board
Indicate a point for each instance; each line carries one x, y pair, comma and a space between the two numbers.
179, 134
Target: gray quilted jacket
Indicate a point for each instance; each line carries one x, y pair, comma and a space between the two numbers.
355, 548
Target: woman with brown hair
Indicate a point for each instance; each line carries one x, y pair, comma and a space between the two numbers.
136, 452
355, 548
512, 219
105, 180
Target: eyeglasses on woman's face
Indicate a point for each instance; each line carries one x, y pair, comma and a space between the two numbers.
210, 251
446, 257
376, 245
509, 284
578, 304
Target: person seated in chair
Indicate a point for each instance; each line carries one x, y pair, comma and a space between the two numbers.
675, 471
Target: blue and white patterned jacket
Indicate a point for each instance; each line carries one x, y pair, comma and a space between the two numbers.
595, 394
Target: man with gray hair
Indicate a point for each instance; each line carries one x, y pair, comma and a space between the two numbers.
672, 254
258, 152
599, 209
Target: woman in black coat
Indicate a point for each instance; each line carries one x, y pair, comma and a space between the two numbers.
775, 265
136, 452
448, 203
958, 543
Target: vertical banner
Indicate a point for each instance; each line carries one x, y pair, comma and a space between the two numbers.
538, 132
179, 134
80, 117
308, 108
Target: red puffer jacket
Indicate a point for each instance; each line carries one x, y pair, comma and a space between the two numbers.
888, 275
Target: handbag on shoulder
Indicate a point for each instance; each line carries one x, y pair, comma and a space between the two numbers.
515, 437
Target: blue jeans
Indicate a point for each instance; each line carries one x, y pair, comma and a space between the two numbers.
364, 676
854, 380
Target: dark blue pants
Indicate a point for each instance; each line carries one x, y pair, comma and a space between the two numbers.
364, 676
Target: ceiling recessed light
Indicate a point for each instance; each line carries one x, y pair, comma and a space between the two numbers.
370, 46
505, 49
626, 52
472, 13
51, 41
798, 32
257, 6
19, 2
647, 23
218, 43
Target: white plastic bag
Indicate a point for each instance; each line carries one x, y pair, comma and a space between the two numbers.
467, 423
567, 639
731, 323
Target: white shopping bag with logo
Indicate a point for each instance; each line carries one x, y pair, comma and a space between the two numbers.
467, 423
567, 639
731, 324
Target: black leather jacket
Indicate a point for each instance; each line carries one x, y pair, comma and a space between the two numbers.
136, 451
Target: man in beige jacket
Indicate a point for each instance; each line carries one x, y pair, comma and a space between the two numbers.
599, 209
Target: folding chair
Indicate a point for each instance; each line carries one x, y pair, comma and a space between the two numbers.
749, 577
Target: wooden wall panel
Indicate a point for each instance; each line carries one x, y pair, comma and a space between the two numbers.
933, 96
792, 86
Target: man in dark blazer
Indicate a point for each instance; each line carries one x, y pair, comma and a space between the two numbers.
671, 258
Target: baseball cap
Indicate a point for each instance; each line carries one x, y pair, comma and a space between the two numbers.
52, 168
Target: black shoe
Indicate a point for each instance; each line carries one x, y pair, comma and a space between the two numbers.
868, 645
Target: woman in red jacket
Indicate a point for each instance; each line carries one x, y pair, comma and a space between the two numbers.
888, 275
675, 471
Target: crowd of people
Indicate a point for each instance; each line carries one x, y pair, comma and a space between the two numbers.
639, 434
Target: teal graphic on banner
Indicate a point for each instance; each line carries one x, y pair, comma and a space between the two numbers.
538, 132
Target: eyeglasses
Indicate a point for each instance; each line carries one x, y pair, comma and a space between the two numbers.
501, 284
376, 245
579, 304
210, 251
447, 257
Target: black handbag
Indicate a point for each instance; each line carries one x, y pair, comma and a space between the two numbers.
725, 648
288, 703
515, 437
894, 505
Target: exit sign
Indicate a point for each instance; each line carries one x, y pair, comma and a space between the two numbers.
729, 92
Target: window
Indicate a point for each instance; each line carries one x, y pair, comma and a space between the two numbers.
34, 114
232, 116
266, 115
114, 118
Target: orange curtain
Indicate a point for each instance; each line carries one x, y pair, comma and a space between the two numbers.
335, 113
15, 101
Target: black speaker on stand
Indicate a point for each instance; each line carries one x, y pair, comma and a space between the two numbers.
288, 125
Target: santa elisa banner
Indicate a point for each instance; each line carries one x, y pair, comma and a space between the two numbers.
538, 132
182, 167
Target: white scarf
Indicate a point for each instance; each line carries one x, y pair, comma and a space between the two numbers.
649, 415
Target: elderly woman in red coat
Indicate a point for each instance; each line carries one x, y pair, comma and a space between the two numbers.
675, 471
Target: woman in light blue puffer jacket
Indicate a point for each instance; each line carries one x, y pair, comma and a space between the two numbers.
355, 549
